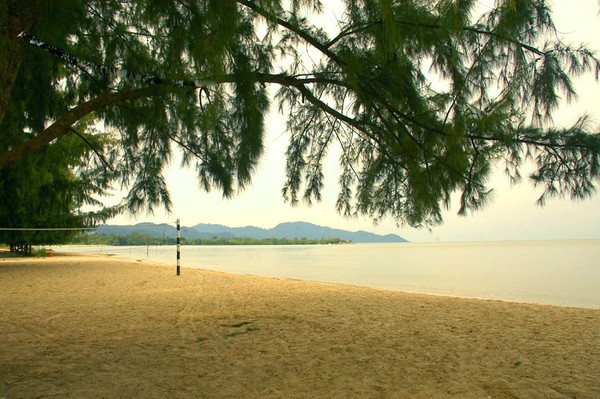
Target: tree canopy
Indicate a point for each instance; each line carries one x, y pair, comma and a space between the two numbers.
48, 188
423, 97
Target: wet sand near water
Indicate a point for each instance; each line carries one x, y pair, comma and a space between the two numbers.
79, 326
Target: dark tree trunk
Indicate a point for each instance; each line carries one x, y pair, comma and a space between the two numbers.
20, 18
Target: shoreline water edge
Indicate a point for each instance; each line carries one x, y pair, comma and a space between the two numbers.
562, 273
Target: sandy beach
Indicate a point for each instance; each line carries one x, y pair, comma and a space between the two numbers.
74, 326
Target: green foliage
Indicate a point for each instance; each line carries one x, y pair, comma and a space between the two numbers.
41, 253
48, 188
422, 98
261, 241
120, 239
146, 239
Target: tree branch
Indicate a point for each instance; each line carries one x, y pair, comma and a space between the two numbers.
304, 35
63, 124
93, 148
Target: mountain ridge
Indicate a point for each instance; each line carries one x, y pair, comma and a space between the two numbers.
289, 230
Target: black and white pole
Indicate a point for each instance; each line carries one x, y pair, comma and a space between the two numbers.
178, 245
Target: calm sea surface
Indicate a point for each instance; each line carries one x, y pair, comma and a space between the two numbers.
565, 273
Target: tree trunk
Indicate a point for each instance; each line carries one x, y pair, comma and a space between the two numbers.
16, 21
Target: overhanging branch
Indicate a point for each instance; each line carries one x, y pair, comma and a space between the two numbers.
63, 124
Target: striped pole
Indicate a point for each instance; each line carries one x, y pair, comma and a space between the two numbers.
178, 245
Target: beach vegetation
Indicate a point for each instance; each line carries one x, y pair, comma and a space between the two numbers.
41, 253
146, 239
47, 189
422, 98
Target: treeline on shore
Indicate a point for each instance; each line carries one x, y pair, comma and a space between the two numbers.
146, 239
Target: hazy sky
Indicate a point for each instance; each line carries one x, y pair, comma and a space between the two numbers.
513, 215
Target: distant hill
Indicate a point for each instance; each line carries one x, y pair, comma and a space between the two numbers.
288, 230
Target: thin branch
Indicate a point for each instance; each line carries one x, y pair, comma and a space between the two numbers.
114, 73
94, 149
286, 24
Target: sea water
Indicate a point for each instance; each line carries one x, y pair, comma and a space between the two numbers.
564, 273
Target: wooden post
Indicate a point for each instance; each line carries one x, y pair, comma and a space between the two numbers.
178, 246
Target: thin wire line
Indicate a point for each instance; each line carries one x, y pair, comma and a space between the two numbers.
45, 228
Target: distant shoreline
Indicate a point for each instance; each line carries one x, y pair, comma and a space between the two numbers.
286, 230
137, 239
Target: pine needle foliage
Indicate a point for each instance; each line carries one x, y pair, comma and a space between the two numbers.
422, 97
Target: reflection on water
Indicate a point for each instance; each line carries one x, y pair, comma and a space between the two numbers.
562, 273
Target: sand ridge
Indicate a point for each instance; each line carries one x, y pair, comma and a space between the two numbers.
74, 326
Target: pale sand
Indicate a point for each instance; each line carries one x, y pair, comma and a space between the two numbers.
100, 327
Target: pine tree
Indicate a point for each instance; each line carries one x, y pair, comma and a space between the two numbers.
48, 188
422, 96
